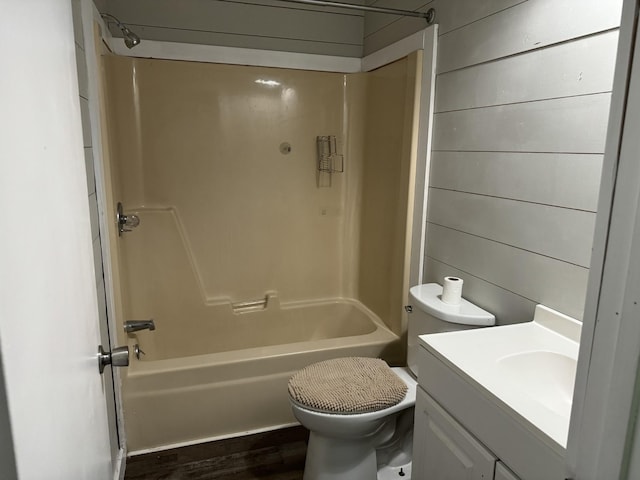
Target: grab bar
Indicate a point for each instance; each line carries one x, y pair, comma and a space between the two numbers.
240, 307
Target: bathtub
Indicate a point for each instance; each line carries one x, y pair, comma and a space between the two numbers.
233, 381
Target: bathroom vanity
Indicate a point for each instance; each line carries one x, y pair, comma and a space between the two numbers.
495, 403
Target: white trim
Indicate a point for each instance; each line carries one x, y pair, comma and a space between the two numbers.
121, 466
425, 141
105, 33
611, 381
90, 14
396, 50
236, 56
271, 58
603, 404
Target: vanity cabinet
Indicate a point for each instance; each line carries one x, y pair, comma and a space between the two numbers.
503, 473
487, 396
443, 449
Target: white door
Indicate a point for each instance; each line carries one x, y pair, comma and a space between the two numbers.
49, 331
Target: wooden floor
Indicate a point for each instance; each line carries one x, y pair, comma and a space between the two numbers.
276, 455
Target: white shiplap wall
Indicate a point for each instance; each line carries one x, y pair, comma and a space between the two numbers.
257, 24
522, 98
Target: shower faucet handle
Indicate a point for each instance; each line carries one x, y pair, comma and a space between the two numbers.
123, 221
138, 351
131, 221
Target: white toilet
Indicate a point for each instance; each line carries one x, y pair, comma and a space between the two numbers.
375, 442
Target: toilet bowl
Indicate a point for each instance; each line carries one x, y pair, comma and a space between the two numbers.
344, 446
377, 444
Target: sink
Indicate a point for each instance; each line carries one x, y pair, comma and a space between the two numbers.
527, 368
548, 377
510, 386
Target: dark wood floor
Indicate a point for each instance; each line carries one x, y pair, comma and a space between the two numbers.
276, 455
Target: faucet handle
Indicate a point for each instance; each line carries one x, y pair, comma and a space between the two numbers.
131, 220
123, 221
138, 351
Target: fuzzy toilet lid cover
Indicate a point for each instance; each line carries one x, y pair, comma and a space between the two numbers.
347, 386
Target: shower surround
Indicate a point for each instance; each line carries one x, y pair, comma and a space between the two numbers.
249, 269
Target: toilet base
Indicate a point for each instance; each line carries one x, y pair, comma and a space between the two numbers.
395, 457
389, 472
336, 459
384, 455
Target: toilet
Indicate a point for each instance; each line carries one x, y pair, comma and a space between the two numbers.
359, 411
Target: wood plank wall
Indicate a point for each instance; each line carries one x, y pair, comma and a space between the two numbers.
522, 97
258, 24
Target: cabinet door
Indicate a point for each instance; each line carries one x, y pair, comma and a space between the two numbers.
503, 473
443, 449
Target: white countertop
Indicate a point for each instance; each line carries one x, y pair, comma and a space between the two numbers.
528, 367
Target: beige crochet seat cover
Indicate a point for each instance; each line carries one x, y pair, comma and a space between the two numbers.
347, 386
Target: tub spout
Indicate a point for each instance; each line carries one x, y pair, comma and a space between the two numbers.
131, 326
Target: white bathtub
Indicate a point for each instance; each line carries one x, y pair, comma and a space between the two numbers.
202, 384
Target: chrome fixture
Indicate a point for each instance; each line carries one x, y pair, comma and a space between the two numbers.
118, 357
123, 221
131, 326
429, 15
251, 305
329, 160
138, 351
130, 38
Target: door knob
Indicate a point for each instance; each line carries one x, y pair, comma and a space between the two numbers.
118, 357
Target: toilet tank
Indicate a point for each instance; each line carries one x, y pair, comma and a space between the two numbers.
429, 314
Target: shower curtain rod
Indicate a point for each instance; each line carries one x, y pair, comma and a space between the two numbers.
429, 15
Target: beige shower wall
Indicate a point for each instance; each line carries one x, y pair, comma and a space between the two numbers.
387, 185
196, 148
204, 139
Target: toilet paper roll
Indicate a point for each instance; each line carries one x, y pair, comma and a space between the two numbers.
452, 290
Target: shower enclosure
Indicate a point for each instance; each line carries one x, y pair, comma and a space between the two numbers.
252, 256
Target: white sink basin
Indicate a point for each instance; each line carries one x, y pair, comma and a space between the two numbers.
528, 368
548, 377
